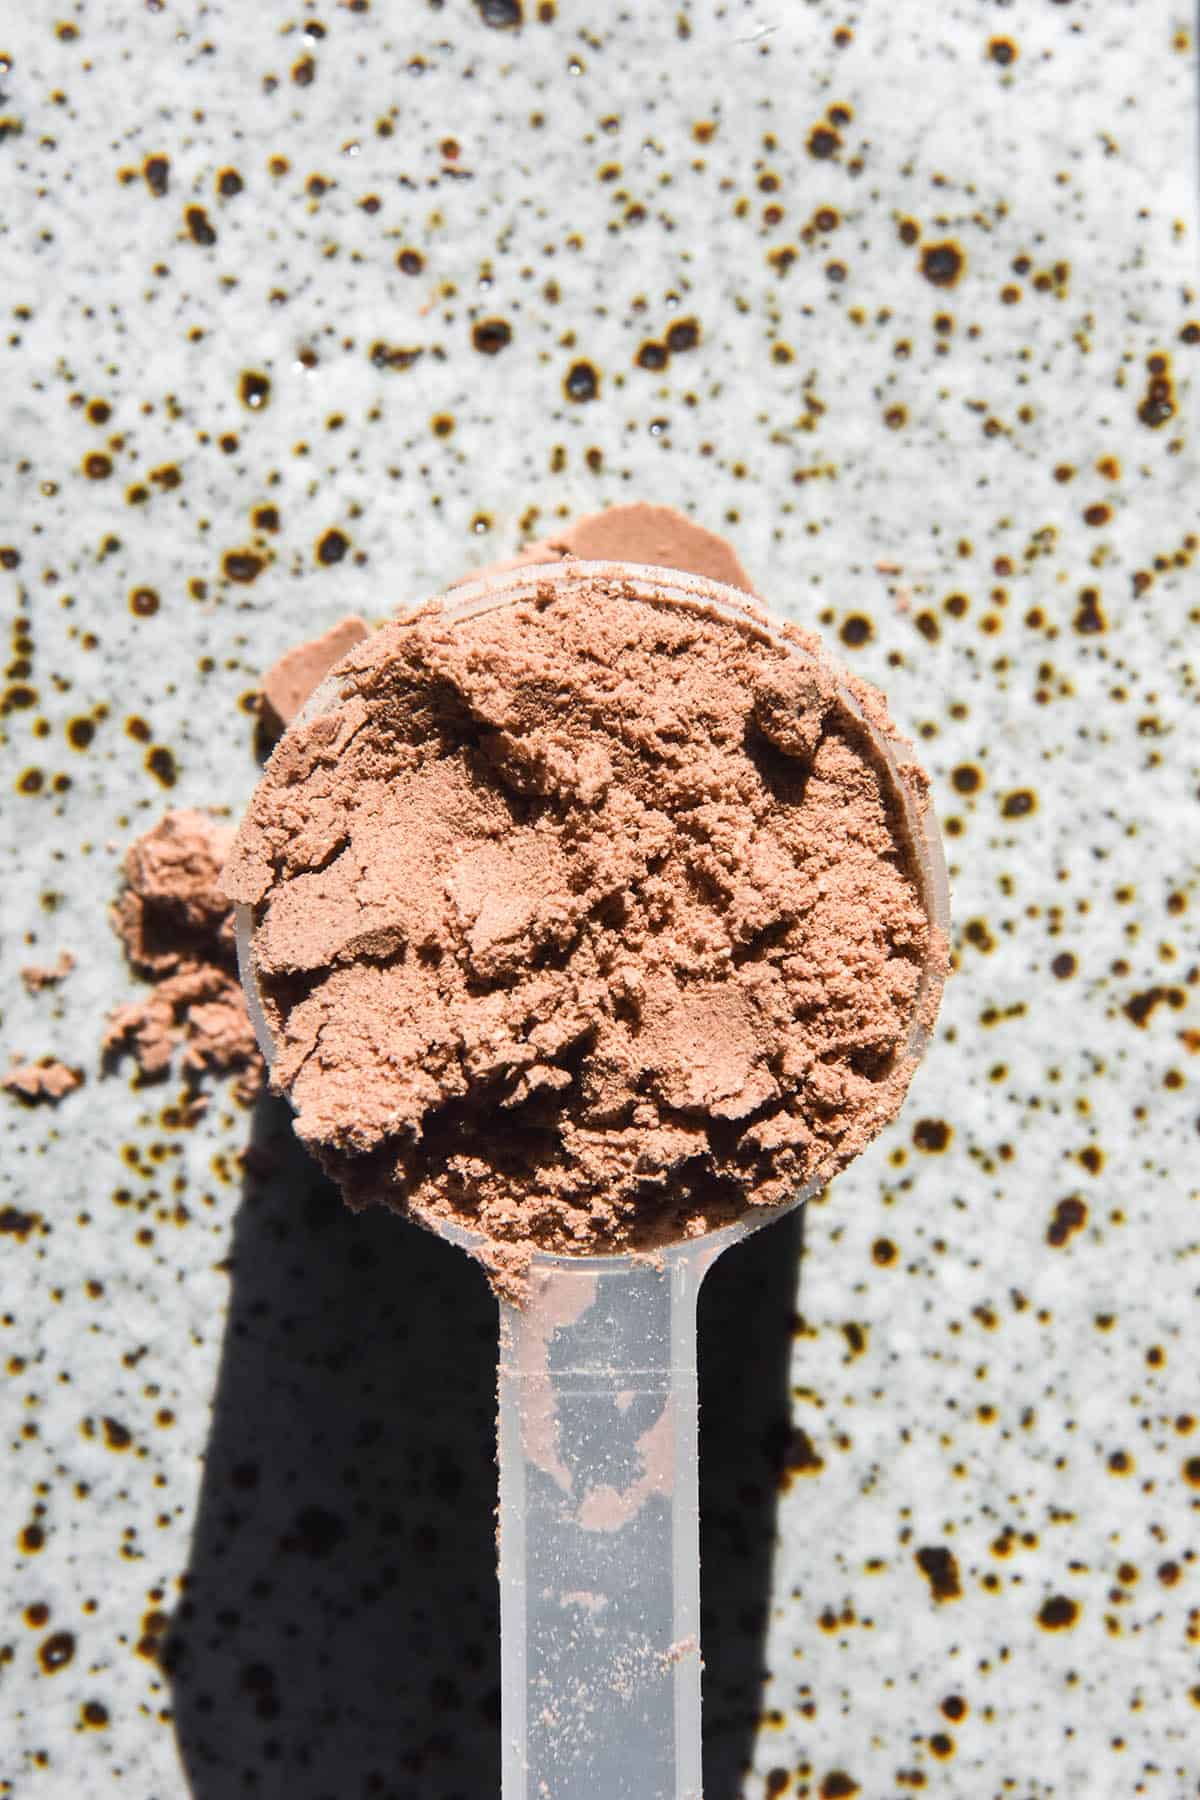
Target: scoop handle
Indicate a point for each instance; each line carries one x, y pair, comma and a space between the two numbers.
599, 1532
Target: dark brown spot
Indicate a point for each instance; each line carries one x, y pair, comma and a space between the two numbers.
856, 630
1158, 403
80, 733
501, 15
199, 229
229, 183
1140, 1007
884, 1252
393, 356
932, 1135
652, 355
97, 466
116, 1435
491, 336
255, 389
137, 729
265, 518
837, 1785
442, 425
56, 1652
823, 142
942, 264
31, 1539
94, 1714
1088, 616
1002, 50
682, 336
582, 382
161, 763
304, 72
1063, 966
30, 781
940, 1569
243, 566
1069, 1216
409, 262
143, 603
1191, 1471
1097, 515
332, 546
157, 170
9, 558
908, 231
966, 778
954, 1707
1058, 1613
1018, 804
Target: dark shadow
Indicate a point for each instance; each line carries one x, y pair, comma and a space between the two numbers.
747, 1313
338, 1632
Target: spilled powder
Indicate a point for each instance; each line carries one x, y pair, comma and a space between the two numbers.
177, 929
587, 923
38, 976
44, 1081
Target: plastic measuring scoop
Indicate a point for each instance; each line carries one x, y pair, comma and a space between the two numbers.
599, 1540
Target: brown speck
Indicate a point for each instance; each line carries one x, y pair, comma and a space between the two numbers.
1063, 966
652, 355
1069, 1216
1140, 1007
908, 231
442, 425
199, 229
243, 566
80, 733
1191, 1471
837, 1785
823, 142
1018, 804
229, 183
582, 382
856, 630
255, 389
137, 729
1002, 50
1190, 333
883, 1252
265, 518
157, 171
94, 1715
394, 356
966, 779
332, 546
932, 1135
9, 558
160, 762
304, 72
942, 264
704, 131
1064, 473
490, 336
682, 336
56, 1652
143, 603
97, 466
954, 1707
1158, 404
1058, 1613
896, 417
1088, 616
1098, 514
940, 1569
32, 1538
501, 15
409, 262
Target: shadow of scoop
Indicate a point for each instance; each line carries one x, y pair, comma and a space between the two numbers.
338, 1631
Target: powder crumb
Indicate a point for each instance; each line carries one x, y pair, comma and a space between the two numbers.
288, 683
44, 1082
38, 976
660, 537
177, 929
587, 923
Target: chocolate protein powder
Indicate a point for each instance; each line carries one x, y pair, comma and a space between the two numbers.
587, 922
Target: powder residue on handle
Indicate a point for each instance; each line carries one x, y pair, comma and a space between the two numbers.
587, 923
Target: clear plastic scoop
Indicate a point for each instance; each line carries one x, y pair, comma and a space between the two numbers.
599, 1543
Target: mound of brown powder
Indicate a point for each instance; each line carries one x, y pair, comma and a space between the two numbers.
587, 923
177, 929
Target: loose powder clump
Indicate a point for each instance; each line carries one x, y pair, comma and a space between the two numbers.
177, 929
587, 923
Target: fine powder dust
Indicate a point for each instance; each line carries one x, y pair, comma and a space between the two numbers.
587, 923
